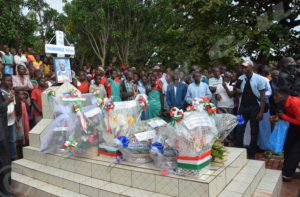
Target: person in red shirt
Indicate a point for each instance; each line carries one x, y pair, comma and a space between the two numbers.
83, 85
36, 97
291, 114
100, 72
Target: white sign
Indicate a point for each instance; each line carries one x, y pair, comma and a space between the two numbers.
144, 136
157, 123
57, 49
60, 38
60, 41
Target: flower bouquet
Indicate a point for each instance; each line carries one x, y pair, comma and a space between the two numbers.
135, 146
75, 122
193, 138
119, 119
163, 155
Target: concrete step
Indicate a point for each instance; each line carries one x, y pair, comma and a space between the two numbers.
145, 176
246, 182
270, 185
26, 186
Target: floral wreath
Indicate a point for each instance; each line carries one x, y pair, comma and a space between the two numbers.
70, 145
106, 104
143, 102
176, 115
209, 107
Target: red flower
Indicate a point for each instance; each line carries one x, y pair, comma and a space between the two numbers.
190, 108
142, 99
71, 147
63, 146
171, 113
90, 139
206, 99
95, 133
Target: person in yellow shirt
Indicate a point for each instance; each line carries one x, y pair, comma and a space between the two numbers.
46, 68
37, 63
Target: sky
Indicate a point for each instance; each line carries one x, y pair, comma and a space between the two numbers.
56, 4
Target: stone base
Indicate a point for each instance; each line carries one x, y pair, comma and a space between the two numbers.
99, 176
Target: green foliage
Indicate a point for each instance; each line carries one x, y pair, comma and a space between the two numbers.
15, 28
172, 32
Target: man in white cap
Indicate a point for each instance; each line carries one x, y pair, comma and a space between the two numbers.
252, 105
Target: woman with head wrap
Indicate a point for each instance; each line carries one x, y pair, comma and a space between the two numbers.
21, 81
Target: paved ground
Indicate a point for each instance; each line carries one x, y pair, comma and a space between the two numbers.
291, 189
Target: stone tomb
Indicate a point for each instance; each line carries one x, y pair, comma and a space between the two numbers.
43, 175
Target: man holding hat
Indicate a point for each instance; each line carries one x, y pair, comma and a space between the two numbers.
252, 105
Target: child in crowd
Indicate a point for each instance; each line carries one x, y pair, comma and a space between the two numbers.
36, 97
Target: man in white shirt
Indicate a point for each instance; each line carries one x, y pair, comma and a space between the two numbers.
214, 82
224, 95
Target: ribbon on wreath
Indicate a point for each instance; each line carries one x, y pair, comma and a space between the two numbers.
77, 108
49, 94
210, 108
143, 103
176, 115
107, 105
122, 141
70, 145
157, 147
73, 93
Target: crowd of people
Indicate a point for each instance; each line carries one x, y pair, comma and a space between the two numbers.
257, 92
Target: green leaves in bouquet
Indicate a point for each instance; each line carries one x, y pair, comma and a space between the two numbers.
217, 151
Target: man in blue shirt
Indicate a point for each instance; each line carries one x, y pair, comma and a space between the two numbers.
7, 61
176, 92
197, 89
252, 105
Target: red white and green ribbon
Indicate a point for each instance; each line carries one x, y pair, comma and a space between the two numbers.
70, 145
109, 151
50, 93
77, 108
210, 108
73, 96
176, 115
74, 93
194, 163
107, 105
143, 102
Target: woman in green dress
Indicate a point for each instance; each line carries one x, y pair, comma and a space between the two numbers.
116, 85
154, 99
